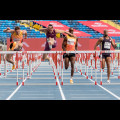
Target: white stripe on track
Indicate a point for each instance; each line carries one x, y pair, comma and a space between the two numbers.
61, 91
13, 93
104, 88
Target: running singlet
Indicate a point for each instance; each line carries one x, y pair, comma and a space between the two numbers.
71, 42
17, 38
106, 44
52, 35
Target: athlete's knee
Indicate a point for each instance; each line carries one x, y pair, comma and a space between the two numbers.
103, 67
66, 67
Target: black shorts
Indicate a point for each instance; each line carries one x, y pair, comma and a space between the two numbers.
65, 55
104, 56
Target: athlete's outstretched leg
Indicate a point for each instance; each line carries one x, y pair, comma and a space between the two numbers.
50, 42
103, 63
108, 61
72, 60
66, 61
9, 59
45, 57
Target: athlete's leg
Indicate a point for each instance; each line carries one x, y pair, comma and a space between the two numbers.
66, 62
108, 61
72, 60
51, 42
18, 47
103, 63
45, 57
9, 59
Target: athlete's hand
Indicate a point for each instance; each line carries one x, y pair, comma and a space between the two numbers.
25, 37
115, 45
8, 28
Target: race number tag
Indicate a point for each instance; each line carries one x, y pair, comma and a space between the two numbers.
107, 45
70, 41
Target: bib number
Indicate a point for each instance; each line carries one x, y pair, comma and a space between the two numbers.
107, 45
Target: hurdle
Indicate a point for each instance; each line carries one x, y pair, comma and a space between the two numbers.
84, 61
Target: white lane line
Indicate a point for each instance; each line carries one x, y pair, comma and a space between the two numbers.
90, 97
61, 91
88, 94
36, 97
37, 94
13, 93
104, 89
60, 88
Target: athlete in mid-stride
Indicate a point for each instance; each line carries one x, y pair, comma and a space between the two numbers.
70, 43
51, 38
16, 40
106, 43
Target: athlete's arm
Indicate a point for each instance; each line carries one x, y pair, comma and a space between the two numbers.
25, 33
113, 44
8, 30
98, 43
43, 30
76, 46
64, 44
62, 31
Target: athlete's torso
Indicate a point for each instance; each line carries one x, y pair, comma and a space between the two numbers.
52, 35
17, 38
106, 43
71, 42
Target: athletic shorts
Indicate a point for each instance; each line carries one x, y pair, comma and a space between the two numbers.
47, 46
65, 55
104, 56
12, 47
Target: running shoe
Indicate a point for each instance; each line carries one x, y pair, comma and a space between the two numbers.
13, 67
108, 81
71, 81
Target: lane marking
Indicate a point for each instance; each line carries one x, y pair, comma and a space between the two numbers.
104, 89
13, 93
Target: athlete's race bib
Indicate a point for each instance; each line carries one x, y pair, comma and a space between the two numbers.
70, 41
107, 45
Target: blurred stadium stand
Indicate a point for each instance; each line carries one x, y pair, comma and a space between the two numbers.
33, 32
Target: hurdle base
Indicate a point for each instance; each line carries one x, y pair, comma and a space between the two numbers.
17, 83
23, 83
59, 77
56, 83
95, 82
61, 83
91, 77
118, 77
28, 77
100, 82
